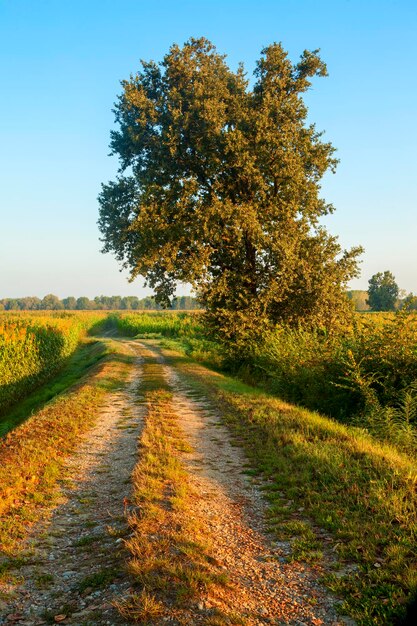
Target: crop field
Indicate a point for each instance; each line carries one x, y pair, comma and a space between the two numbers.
328, 425
34, 347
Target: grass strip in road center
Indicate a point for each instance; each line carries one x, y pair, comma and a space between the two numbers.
172, 556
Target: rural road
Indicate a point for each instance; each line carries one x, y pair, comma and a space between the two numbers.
77, 566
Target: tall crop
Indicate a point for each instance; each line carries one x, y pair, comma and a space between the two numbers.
167, 324
32, 349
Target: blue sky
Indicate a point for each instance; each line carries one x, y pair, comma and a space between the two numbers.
60, 67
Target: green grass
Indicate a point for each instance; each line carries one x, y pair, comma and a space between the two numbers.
359, 490
89, 540
158, 324
43, 580
89, 352
99, 579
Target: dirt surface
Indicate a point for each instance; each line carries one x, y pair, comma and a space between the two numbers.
77, 564
268, 587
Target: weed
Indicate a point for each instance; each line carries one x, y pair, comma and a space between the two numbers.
140, 607
43, 580
88, 540
98, 579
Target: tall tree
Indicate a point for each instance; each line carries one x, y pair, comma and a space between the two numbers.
70, 303
84, 303
32, 303
51, 302
382, 292
219, 187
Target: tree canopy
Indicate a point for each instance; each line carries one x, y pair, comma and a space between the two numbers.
219, 186
383, 292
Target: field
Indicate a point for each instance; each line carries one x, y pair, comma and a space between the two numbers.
328, 426
35, 347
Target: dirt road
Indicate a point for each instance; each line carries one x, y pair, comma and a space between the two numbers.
77, 563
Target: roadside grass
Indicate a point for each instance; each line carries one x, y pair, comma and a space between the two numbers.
158, 323
32, 455
205, 351
88, 353
361, 491
171, 550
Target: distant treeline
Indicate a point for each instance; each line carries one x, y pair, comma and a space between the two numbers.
127, 303
132, 303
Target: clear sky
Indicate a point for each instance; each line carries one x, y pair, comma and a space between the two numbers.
60, 67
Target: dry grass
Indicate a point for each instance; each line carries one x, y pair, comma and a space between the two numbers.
140, 607
32, 456
171, 549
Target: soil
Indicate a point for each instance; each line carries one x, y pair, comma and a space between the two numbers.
72, 564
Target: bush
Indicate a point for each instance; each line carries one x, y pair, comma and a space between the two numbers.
368, 366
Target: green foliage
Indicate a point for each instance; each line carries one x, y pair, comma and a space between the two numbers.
366, 375
366, 367
303, 366
382, 292
223, 190
396, 424
409, 302
69, 303
32, 349
52, 302
164, 324
83, 304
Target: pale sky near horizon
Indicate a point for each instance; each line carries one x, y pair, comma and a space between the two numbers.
60, 67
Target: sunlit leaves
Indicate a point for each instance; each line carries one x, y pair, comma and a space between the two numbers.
219, 187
